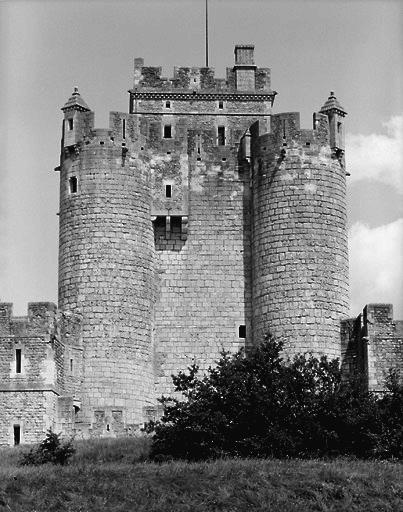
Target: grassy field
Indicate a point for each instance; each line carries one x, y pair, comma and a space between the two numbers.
113, 476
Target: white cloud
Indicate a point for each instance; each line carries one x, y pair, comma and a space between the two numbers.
376, 266
377, 156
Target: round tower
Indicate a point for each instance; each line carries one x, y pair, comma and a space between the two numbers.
299, 235
106, 273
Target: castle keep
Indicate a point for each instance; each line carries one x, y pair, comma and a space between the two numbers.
196, 222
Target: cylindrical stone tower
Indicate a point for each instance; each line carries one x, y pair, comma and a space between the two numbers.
106, 271
299, 235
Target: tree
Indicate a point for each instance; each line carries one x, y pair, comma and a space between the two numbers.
259, 405
51, 449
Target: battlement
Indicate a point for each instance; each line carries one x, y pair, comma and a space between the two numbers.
283, 133
244, 77
39, 321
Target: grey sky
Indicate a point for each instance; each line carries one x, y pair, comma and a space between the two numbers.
353, 48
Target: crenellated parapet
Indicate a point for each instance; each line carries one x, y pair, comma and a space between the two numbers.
243, 78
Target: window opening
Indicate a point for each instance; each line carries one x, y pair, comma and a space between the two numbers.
221, 135
242, 331
168, 190
17, 435
17, 360
123, 128
339, 127
101, 142
220, 105
71, 365
70, 124
107, 427
167, 104
167, 131
73, 185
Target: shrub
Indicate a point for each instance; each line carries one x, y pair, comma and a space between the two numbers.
51, 449
258, 405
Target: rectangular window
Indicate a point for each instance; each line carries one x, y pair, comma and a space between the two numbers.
242, 331
220, 105
221, 135
73, 185
18, 360
70, 124
168, 190
17, 434
167, 104
123, 128
167, 131
71, 366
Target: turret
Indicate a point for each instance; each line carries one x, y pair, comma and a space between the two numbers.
335, 113
299, 236
78, 120
106, 273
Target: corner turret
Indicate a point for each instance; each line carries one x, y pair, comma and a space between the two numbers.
335, 113
78, 119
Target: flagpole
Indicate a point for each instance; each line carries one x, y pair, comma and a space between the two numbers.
206, 33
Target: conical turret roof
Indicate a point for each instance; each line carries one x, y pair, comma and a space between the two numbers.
332, 104
75, 102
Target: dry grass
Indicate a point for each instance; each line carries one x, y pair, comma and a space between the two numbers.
106, 476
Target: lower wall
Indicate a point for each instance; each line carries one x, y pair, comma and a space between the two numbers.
34, 411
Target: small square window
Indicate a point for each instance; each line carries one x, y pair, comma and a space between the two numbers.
168, 190
167, 131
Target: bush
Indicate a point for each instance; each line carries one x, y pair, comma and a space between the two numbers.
258, 405
51, 449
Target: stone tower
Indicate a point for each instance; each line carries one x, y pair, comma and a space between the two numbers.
106, 271
299, 234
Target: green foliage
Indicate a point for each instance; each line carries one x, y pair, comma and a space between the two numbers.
51, 449
258, 405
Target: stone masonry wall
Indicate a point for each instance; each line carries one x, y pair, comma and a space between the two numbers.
107, 278
202, 230
31, 381
384, 339
299, 240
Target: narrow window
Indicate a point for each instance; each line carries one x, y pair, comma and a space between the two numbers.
220, 105
242, 331
71, 365
167, 131
338, 127
17, 434
168, 190
221, 135
17, 360
167, 104
70, 124
107, 427
73, 185
123, 128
